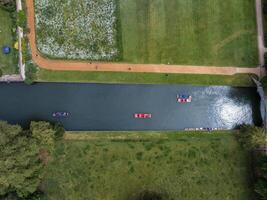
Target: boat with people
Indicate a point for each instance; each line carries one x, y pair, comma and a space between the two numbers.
183, 98
61, 114
203, 129
142, 115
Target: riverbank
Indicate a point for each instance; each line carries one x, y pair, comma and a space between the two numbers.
239, 80
178, 165
139, 135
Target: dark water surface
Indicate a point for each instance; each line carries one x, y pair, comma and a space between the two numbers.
111, 106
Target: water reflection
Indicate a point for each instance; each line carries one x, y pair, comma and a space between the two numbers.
229, 111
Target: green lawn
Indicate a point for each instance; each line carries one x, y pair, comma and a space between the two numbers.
193, 32
180, 166
8, 63
145, 78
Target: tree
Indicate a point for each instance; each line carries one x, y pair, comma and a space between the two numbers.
251, 137
59, 131
31, 71
23, 157
261, 189
20, 168
21, 19
9, 5
44, 134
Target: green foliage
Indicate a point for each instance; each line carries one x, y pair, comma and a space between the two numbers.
264, 7
265, 59
261, 189
59, 130
150, 195
21, 19
20, 167
251, 137
1, 73
24, 49
139, 155
31, 71
260, 185
22, 158
8, 5
44, 134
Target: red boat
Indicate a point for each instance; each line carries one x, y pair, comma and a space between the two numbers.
142, 115
184, 98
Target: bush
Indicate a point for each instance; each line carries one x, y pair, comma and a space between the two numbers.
251, 137
8, 5
59, 130
261, 189
31, 71
21, 19
24, 155
139, 155
265, 7
38, 195
1, 72
150, 195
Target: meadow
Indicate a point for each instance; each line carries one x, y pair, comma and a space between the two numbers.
118, 166
193, 32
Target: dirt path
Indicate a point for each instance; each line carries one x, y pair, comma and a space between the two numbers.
122, 67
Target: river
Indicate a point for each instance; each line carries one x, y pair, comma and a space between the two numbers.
111, 106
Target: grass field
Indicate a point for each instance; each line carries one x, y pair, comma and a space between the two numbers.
145, 78
8, 63
193, 32
180, 166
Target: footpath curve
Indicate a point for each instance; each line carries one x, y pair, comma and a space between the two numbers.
67, 65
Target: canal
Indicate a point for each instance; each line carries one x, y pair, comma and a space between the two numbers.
111, 106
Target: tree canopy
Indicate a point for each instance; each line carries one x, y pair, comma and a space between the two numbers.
251, 137
22, 158
9, 5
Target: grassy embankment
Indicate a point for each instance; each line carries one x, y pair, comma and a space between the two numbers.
180, 32
119, 165
143, 78
8, 62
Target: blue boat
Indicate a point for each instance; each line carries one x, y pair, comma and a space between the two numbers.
61, 114
182, 98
